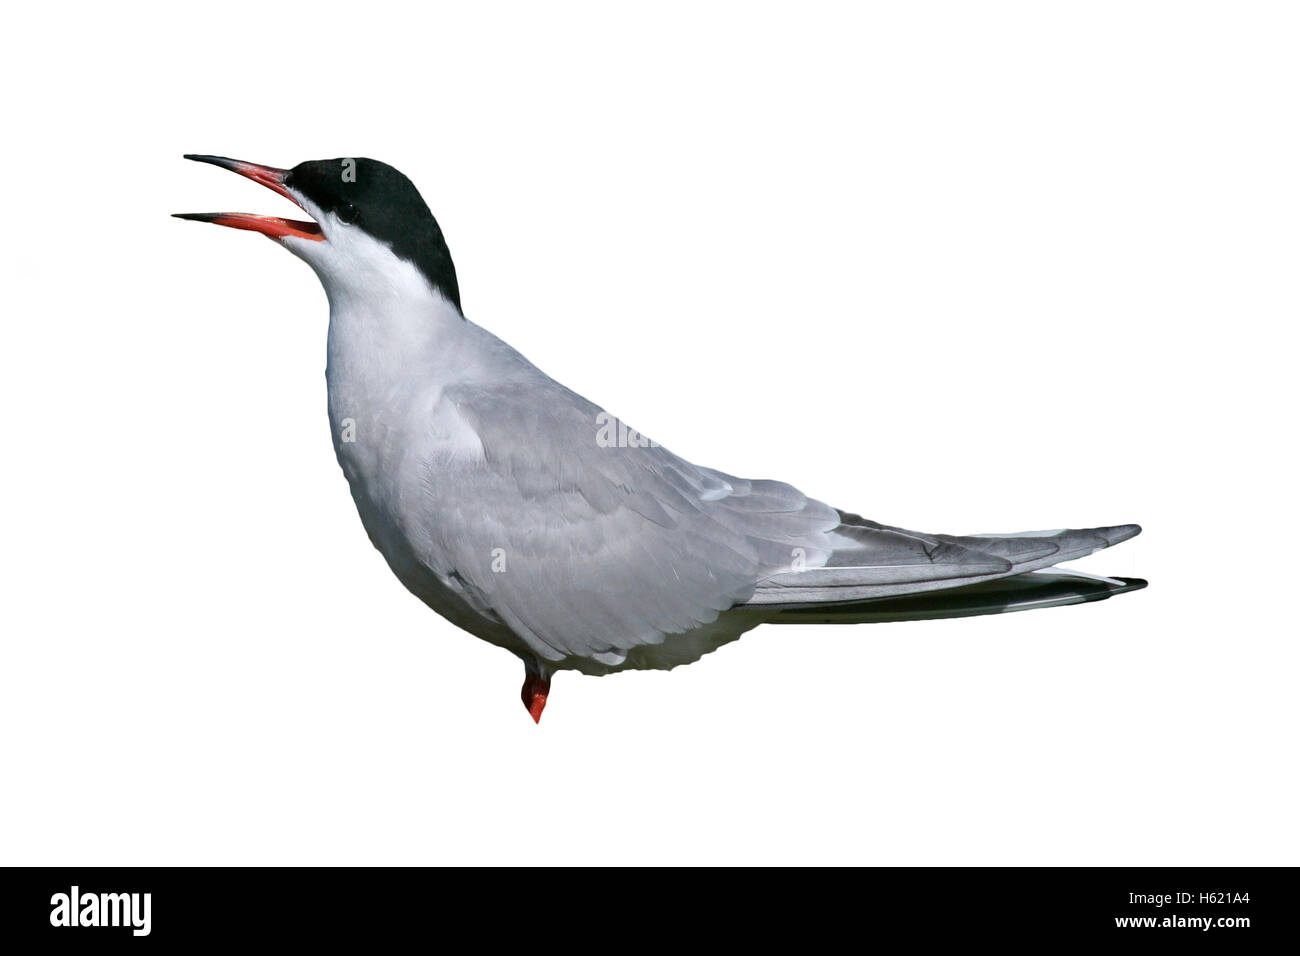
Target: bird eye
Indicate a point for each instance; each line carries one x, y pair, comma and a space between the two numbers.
347, 212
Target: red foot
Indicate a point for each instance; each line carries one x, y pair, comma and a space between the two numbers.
534, 694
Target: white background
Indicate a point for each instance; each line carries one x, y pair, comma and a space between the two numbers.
958, 267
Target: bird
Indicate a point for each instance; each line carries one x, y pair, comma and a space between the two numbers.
531, 518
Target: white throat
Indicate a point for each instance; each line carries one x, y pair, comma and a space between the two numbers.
392, 336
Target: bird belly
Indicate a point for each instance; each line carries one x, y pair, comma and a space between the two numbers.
393, 453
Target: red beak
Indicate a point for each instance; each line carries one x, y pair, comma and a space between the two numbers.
272, 179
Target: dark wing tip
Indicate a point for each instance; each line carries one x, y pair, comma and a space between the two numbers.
1130, 584
1120, 532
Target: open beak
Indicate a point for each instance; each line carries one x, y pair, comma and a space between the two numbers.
272, 179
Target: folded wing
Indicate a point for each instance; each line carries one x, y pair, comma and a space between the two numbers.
589, 548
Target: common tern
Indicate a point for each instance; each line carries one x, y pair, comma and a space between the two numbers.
532, 519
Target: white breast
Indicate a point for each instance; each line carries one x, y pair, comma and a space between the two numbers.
394, 345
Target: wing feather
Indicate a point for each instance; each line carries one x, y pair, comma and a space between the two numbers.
607, 548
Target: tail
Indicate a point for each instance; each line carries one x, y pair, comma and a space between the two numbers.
879, 573
1019, 592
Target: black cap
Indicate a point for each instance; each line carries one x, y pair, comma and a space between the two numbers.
377, 198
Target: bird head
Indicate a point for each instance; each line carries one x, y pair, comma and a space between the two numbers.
370, 228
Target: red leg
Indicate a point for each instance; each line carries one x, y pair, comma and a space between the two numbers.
534, 694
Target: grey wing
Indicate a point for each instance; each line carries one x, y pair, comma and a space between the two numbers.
588, 548
871, 561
